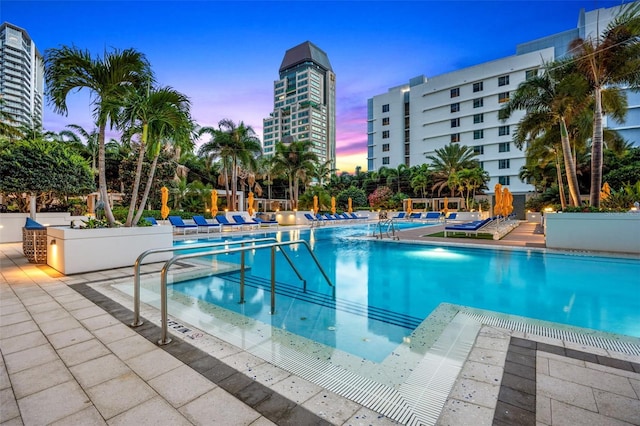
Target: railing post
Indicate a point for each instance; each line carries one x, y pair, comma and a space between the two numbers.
273, 280
164, 338
242, 274
136, 294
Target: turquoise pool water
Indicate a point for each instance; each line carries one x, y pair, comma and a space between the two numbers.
384, 290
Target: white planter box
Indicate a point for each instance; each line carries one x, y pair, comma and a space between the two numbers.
612, 232
11, 223
535, 217
73, 251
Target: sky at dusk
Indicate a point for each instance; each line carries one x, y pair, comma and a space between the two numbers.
225, 55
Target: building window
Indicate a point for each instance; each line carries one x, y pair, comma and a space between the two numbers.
503, 130
478, 149
503, 164
478, 87
385, 121
455, 92
529, 74
503, 81
385, 134
478, 118
503, 97
385, 108
455, 137
504, 147
407, 150
455, 107
455, 122
503, 180
385, 160
478, 102
478, 134
385, 147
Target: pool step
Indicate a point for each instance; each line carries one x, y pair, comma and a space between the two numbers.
325, 300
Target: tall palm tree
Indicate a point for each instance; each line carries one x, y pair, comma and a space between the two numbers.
8, 126
447, 161
554, 98
609, 61
321, 171
296, 160
108, 79
79, 136
156, 114
237, 143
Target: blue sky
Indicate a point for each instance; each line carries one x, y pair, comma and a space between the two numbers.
225, 55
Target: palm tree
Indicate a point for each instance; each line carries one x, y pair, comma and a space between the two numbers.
321, 171
78, 136
296, 160
447, 161
157, 115
234, 144
108, 79
610, 60
8, 126
554, 98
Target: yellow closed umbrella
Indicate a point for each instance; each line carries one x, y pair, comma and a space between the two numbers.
349, 202
164, 197
214, 202
505, 201
498, 206
333, 205
315, 204
605, 192
446, 206
409, 206
250, 204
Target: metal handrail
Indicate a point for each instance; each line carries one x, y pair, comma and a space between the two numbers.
164, 339
390, 226
136, 268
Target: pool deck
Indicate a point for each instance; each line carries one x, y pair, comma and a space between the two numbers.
70, 358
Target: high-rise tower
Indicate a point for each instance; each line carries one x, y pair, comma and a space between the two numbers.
304, 103
21, 76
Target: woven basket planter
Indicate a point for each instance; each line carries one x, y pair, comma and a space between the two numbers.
34, 245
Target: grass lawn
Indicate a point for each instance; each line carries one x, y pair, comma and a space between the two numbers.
472, 237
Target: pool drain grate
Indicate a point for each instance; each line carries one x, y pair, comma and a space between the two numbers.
554, 333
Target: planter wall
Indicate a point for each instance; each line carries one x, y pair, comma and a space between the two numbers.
74, 251
611, 232
535, 217
11, 223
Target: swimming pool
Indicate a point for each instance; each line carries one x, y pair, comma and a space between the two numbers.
384, 290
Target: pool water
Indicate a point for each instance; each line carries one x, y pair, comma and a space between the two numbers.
384, 290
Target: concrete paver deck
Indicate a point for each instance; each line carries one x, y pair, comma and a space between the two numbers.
69, 360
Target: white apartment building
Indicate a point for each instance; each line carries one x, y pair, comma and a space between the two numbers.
21, 76
411, 121
304, 103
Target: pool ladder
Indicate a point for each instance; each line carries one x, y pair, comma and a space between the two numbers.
385, 229
270, 243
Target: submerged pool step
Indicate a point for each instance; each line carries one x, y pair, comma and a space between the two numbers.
326, 300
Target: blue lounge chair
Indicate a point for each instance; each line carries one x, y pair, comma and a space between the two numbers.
241, 221
178, 224
432, 216
474, 227
451, 217
355, 216
151, 220
203, 224
413, 216
400, 215
223, 221
267, 222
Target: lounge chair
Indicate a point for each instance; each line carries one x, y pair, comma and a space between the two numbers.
151, 220
450, 217
345, 215
178, 224
401, 215
223, 221
240, 220
414, 216
267, 222
432, 216
469, 228
355, 216
312, 219
203, 224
